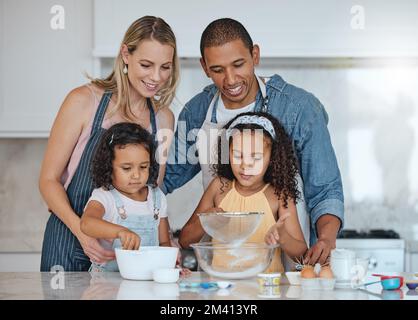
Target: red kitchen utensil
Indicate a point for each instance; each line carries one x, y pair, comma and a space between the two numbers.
383, 277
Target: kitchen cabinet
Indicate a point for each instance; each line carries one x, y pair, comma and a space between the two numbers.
40, 64
413, 262
412, 256
385, 255
283, 28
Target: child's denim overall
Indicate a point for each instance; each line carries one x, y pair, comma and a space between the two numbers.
146, 226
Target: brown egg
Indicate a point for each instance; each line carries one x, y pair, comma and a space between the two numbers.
308, 272
326, 272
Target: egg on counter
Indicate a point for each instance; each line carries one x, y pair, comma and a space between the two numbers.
326, 273
308, 272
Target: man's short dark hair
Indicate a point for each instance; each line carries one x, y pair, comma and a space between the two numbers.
222, 31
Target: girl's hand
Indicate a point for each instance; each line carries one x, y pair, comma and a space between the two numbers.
273, 235
129, 240
214, 209
94, 250
178, 259
184, 272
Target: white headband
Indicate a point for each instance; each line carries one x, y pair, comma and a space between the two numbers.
261, 121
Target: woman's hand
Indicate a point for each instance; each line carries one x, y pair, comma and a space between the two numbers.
94, 250
273, 235
129, 240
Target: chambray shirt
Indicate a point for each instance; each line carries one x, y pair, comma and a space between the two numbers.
305, 121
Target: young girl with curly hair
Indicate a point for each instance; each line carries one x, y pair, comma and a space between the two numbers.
256, 170
126, 209
139, 89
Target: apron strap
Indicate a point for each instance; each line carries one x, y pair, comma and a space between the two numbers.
156, 199
116, 196
262, 98
100, 113
214, 108
119, 204
153, 121
152, 116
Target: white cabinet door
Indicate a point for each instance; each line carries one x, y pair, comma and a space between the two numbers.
412, 262
40, 65
283, 28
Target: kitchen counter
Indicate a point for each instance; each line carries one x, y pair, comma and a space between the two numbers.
86, 286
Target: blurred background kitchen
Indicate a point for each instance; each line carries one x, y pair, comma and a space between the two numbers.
360, 58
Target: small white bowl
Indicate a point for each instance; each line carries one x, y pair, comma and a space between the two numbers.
165, 275
293, 277
139, 264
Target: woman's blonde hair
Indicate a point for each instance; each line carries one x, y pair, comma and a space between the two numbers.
145, 28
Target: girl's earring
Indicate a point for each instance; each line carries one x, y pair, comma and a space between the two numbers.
125, 69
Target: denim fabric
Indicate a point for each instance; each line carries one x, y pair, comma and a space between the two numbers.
144, 226
60, 246
305, 121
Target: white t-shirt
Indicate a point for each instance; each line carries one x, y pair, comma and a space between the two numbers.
132, 207
223, 115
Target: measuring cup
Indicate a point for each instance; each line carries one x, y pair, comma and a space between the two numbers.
387, 284
384, 277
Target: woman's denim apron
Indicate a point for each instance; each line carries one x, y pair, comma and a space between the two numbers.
60, 246
146, 226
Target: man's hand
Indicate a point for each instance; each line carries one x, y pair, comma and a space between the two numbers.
327, 227
319, 252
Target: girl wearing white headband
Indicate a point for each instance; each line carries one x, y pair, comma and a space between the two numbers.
256, 171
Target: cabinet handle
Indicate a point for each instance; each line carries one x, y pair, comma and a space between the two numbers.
372, 263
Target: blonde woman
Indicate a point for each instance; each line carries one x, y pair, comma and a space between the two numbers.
139, 90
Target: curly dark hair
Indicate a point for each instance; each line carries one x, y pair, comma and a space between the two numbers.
283, 167
121, 134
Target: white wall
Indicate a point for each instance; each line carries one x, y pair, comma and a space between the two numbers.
40, 64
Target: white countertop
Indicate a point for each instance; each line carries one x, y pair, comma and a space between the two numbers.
85, 286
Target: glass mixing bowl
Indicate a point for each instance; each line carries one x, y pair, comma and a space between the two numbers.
230, 227
230, 261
